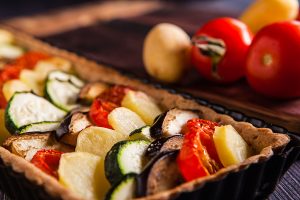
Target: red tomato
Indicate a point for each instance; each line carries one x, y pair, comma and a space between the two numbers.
273, 66
29, 59
220, 48
114, 94
99, 112
13, 70
105, 103
47, 161
206, 129
194, 160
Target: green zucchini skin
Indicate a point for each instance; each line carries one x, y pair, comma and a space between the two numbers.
39, 127
142, 133
18, 108
9, 123
115, 163
127, 182
62, 80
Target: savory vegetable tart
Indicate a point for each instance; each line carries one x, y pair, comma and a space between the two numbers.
84, 131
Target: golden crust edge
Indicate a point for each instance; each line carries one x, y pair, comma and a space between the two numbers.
91, 71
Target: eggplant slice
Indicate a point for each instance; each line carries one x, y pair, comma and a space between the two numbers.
160, 174
90, 91
164, 145
71, 126
26, 145
164, 174
175, 120
172, 122
155, 129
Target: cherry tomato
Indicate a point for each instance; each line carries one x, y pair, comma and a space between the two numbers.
273, 66
47, 161
220, 48
194, 160
105, 103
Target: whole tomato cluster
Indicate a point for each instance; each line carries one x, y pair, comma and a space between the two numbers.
224, 51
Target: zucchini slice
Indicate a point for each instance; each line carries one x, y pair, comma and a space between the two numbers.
40, 127
123, 190
141, 134
62, 89
26, 108
123, 158
66, 77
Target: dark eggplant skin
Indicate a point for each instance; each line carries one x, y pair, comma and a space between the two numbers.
154, 147
156, 128
164, 144
164, 174
64, 125
142, 178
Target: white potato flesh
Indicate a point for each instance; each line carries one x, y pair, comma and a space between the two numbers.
97, 140
142, 104
83, 173
231, 147
124, 120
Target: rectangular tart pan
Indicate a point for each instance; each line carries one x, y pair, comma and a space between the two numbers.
256, 181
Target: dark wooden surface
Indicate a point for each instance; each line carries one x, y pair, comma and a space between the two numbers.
119, 43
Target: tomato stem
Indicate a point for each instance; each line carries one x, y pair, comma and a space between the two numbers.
212, 48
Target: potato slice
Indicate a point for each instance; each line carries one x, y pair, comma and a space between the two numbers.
97, 140
33, 80
124, 120
83, 173
231, 147
44, 67
142, 104
12, 86
6, 37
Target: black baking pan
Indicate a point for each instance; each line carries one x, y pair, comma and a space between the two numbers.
257, 181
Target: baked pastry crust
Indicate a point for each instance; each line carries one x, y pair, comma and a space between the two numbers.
262, 140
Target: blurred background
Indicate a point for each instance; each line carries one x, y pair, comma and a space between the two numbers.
14, 8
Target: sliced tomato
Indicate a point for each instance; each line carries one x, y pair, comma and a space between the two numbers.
206, 130
47, 161
105, 103
192, 157
114, 94
30, 59
13, 70
99, 112
198, 156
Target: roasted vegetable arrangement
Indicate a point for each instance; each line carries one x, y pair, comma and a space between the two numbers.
106, 141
